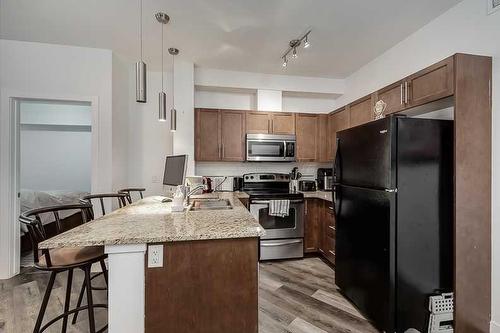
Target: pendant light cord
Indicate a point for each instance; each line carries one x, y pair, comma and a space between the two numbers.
140, 27
162, 57
173, 81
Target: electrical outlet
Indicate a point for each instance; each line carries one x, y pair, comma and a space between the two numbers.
155, 256
155, 179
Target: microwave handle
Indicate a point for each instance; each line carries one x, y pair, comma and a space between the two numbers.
284, 150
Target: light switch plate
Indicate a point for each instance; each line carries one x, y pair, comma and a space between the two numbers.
155, 256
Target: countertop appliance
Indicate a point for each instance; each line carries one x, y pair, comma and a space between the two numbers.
393, 200
307, 185
237, 183
284, 235
270, 148
324, 179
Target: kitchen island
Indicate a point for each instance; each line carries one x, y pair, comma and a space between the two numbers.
207, 282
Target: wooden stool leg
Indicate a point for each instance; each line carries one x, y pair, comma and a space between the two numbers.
90, 302
67, 300
45, 301
79, 303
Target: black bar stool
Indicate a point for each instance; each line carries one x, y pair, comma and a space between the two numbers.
60, 260
120, 197
130, 190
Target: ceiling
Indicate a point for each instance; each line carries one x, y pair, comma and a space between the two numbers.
241, 35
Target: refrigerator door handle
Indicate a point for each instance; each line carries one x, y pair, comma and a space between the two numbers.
391, 190
337, 198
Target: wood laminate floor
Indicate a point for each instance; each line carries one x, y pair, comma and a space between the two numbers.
295, 296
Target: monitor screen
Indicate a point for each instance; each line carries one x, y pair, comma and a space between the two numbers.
175, 170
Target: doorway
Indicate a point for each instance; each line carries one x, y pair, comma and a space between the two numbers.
54, 159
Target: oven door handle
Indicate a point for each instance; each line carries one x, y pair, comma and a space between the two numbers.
281, 243
266, 202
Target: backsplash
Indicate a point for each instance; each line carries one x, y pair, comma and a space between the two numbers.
308, 170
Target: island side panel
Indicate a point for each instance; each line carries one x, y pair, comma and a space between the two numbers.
204, 286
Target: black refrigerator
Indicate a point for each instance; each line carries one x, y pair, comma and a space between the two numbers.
393, 196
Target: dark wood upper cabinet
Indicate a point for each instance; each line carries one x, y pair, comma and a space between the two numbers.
361, 111
430, 84
324, 141
393, 97
207, 135
258, 122
340, 121
283, 123
219, 135
331, 137
232, 135
306, 131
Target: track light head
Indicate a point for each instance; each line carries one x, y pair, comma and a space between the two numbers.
285, 62
306, 43
294, 54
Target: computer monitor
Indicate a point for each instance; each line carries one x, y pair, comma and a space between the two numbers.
175, 170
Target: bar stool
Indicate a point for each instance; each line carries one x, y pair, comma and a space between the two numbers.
120, 197
128, 191
60, 260
87, 200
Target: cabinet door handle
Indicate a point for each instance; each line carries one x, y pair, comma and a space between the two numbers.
269, 126
333, 228
401, 90
222, 149
406, 92
220, 155
331, 252
305, 207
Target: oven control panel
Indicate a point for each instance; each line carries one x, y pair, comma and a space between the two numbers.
266, 177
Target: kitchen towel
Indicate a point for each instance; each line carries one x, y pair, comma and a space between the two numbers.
279, 208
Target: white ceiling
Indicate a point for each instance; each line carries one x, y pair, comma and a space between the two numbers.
241, 35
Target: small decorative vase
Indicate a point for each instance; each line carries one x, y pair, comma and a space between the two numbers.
379, 109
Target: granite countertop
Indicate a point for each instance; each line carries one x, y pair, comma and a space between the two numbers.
325, 195
150, 221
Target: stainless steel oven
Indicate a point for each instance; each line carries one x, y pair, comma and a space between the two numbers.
270, 148
284, 235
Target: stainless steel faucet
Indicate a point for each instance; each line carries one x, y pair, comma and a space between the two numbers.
191, 192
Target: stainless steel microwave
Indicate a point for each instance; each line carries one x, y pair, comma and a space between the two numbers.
270, 148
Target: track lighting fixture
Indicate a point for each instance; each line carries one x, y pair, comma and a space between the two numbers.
306, 43
293, 45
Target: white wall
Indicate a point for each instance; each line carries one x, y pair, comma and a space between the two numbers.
55, 157
149, 140
120, 95
54, 72
308, 103
464, 28
245, 80
269, 100
183, 138
235, 99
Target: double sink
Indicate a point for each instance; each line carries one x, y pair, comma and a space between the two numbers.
210, 204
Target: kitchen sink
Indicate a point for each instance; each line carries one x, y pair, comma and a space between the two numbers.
211, 204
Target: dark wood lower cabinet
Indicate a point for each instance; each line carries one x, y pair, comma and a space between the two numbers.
204, 286
320, 228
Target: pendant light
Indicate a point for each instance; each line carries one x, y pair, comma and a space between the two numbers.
173, 112
140, 68
162, 96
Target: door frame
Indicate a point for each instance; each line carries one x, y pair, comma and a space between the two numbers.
10, 170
